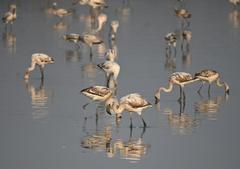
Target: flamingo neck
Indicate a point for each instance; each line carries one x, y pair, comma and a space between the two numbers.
167, 90
221, 84
118, 108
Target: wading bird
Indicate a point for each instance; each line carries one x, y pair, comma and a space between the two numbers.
113, 29
111, 68
171, 41
92, 3
72, 37
91, 40
183, 14
178, 78
187, 37
111, 54
102, 19
97, 93
11, 15
40, 60
133, 103
60, 12
211, 76
235, 2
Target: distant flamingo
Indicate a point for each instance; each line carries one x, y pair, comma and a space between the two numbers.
171, 41
40, 60
92, 3
60, 12
111, 55
211, 76
111, 68
11, 15
102, 19
178, 78
113, 29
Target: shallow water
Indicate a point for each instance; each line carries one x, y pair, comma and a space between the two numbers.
42, 124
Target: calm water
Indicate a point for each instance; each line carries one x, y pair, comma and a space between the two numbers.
42, 124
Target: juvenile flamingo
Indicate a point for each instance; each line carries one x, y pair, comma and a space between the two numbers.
211, 76
111, 68
92, 3
60, 12
178, 78
133, 103
11, 15
171, 41
40, 60
113, 29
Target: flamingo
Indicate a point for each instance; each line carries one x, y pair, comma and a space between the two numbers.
211, 76
102, 19
187, 37
40, 60
184, 15
171, 40
111, 68
111, 54
72, 37
90, 40
113, 29
11, 15
96, 94
92, 3
133, 103
235, 2
177, 78
60, 12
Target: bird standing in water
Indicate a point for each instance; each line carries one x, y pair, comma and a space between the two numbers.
178, 78
90, 40
171, 41
11, 15
72, 37
92, 3
113, 29
40, 60
60, 12
133, 103
111, 68
211, 76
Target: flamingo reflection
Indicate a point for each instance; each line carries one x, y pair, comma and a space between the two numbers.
39, 99
210, 107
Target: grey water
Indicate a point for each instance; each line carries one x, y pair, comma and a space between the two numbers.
42, 123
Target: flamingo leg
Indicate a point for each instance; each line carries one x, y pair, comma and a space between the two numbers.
200, 88
144, 123
209, 88
131, 125
42, 72
180, 98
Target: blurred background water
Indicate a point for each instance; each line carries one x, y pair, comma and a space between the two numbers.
42, 123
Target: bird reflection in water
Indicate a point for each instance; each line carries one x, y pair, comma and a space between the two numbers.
9, 40
61, 27
102, 141
186, 36
181, 123
98, 141
170, 60
40, 99
234, 17
124, 11
133, 150
210, 107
